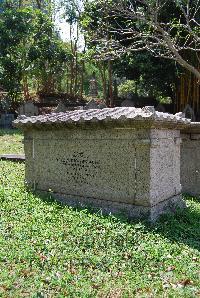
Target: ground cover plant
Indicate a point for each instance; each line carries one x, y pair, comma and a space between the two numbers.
50, 250
11, 141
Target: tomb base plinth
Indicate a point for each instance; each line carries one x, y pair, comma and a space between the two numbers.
106, 207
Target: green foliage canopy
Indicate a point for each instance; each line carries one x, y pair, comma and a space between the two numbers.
30, 47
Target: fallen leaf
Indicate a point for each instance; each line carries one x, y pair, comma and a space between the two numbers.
170, 268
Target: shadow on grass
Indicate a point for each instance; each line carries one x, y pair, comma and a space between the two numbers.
10, 132
180, 227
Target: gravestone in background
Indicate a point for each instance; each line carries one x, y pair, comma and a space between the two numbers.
28, 109
93, 87
92, 104
61, 107
127, 103
6, 120
160, 108
189, 113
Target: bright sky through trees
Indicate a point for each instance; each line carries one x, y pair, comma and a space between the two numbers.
64, 27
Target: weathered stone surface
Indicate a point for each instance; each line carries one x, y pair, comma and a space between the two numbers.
61, 107
189, 112
92, 104
28, 109
129, 210
190, 159
146, 116
93, 87
160, 108
165, 165
133, 167
128, 103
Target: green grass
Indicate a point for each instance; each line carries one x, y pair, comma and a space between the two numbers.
50, 250
10, 141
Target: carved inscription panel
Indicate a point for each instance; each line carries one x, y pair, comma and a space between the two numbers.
79, 167
103, 169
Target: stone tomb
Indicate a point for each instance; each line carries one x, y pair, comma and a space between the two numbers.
190, 159
117, 160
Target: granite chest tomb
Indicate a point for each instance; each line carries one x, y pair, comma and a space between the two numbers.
118, 160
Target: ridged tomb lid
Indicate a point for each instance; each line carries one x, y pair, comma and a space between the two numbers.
192, 127
146, 116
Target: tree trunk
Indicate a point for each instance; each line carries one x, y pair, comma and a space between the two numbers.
75, 68
103, 79
25, 88
177, 56
67, 76
39, 4
82, 78
20, 3
83, 69
71, 64
76, 60
110, 83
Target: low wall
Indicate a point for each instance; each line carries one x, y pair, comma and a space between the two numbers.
190, 159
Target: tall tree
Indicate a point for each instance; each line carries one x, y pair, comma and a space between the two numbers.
30, 48
72, 11
148, 25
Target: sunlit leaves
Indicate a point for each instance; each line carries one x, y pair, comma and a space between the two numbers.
28, 44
